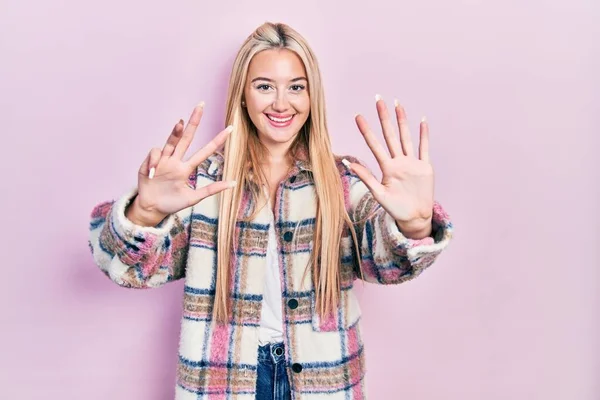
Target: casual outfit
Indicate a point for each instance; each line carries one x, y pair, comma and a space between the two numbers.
275, 343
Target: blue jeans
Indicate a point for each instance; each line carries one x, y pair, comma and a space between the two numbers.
272, 381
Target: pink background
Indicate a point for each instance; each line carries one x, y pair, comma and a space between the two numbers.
510, 311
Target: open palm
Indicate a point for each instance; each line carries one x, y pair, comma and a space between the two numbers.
163, 177
406, 187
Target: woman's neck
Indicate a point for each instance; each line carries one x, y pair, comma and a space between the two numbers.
276, 166
276, 157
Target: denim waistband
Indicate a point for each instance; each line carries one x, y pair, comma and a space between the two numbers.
271, 353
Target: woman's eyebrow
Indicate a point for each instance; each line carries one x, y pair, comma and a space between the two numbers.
260, 78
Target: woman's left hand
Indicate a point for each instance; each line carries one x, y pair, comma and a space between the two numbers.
406, 187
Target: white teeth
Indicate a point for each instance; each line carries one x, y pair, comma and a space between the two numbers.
279, 119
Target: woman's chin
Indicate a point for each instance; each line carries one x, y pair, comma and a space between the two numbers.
279, 136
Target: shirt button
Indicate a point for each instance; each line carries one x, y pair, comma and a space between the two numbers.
288, 236
293, 304
297, 368
292, 179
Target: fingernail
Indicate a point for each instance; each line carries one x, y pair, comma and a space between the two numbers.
201, 104
396, 103
423, 119
232, 184
229, 129
377, 97
151, 174
346, 163
356, 115
181, 121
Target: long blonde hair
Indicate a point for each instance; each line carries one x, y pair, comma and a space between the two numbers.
242, 153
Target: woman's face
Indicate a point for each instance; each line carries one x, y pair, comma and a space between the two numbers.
276, 96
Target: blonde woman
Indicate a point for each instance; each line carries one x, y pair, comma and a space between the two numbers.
271, 234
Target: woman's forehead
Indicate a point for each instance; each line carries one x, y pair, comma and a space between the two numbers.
276, 65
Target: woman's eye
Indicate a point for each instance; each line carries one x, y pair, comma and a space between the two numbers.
263, 87
297, 88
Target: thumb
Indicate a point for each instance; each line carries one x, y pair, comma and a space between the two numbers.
149, 165
365, 175
200, 194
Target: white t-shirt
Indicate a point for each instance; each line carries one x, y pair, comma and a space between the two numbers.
271, 321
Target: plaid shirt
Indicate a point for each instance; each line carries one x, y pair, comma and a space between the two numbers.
324, 357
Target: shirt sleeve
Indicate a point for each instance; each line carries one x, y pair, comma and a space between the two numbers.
137, 256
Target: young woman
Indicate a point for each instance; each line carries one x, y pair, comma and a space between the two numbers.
270, 262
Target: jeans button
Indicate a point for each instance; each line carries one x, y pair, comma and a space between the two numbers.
278, 351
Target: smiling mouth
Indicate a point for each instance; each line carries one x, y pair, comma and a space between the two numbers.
280, 120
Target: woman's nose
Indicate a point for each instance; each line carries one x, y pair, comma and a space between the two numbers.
281, 103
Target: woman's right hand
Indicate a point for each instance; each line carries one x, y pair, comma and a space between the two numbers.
163, 187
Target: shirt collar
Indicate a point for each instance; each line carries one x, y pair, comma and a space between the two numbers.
302, 159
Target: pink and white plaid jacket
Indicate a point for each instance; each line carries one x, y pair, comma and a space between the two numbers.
325, 358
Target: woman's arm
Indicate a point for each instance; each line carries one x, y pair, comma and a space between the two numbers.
401, 228
139, 256
387, 255
134, 255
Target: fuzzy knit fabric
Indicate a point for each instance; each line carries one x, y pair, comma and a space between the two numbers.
325, 358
